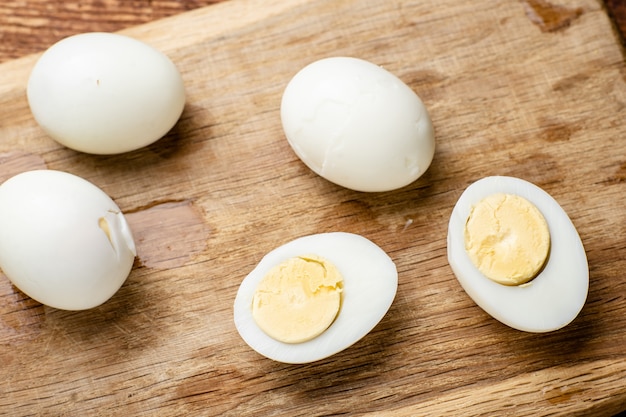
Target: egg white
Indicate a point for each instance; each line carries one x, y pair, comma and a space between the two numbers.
52, 246
357, 125
554, 297
105, 93
369, 288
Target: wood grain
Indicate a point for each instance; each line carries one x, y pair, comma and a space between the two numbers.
506, 96
31, 26
617, 11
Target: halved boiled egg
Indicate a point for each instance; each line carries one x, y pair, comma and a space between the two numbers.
315, 296
517, 254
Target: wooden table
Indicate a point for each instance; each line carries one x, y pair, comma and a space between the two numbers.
524, 88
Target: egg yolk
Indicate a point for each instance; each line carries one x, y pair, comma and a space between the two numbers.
507, 239
298, 299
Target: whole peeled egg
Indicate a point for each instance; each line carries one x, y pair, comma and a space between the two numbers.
315, 296
105, 93
64, 242
517, 254
357, 125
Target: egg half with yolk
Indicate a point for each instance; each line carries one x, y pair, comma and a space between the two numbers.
315, 296
517, 254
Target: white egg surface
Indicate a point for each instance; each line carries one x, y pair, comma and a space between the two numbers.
357, 125
104, 93
370, 281
554, 297
64, 242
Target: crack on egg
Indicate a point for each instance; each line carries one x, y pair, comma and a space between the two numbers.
115, 227
337, 138
104, 225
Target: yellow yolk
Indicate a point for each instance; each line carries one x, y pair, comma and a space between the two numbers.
298, 300
507, 239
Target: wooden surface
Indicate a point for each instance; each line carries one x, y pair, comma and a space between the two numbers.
617, 12
529, 89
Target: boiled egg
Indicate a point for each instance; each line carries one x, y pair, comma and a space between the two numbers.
105, 93
357, 125
315, 296
64, 242
517, 254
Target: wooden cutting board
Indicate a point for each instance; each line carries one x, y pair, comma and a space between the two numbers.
524, 88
